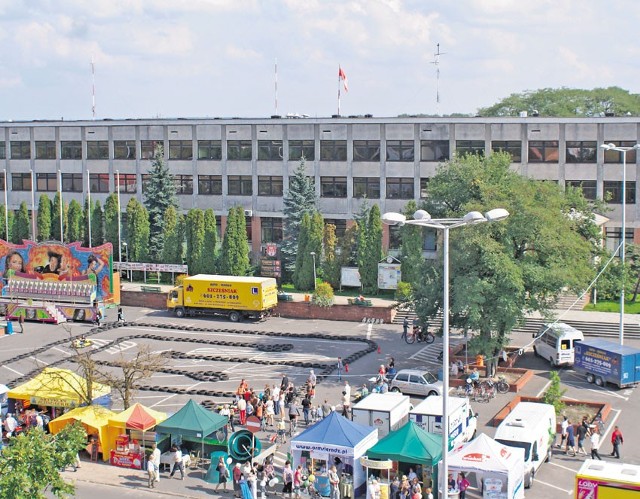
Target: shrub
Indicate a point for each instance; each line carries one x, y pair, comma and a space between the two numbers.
180, 278
554, 393
404, 292
323, 295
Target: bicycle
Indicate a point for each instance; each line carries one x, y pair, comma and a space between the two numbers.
502, 385
420, 335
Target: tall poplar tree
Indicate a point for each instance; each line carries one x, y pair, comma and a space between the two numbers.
138, 230
10, 217
111, 222
160, 193
373, 255
75, 222
55, 217
303, 273
87, 215
208, 257
330, 264
43, 220
97, 224
195, 240
299, 199
174, 236
412, 238
21, 224
234, 256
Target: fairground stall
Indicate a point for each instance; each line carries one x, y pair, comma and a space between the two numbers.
338, 441
129, 433
95, 420
56, 390
408, 447
499, 467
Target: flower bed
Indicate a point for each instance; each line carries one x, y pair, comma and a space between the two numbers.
515, 376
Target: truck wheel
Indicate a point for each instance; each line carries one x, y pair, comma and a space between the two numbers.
599, 381
234, 316
590, 378
180, 312
432, 393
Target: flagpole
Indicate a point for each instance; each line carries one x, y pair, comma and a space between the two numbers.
89, 203
338, 89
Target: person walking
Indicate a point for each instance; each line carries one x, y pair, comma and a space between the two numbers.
177, 462
463, 485
306, 408
346, 404
287, 477
223, 474
339, 366
571, 443
595, 444
582, 431
334, 483
563, 430
154, 465
242, 410
616, 440
237, 475
405, 328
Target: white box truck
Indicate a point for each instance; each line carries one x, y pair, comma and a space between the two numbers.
385, 411
530, 426
462, 420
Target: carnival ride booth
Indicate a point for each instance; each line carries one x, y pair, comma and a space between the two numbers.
498, 467
193, 424
338, 441
95, 420
57, 389
407, 447
128, 434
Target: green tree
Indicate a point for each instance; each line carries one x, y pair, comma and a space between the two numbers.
234, 256
299, 199
30, 466
21, 224
55, 217
210, 243
323, 295
75, 222
303, 273
87, 215
554, 393
43, 220
138, 230
3, 224
362, 221
330, 263
412, 238
499, 272
97, 224
160, 193
173, 251
567, 102
111, 223
373, 254
195, 240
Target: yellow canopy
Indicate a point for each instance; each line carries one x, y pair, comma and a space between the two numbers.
56, 387
94, 418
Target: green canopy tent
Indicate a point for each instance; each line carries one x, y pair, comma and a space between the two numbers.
192, 420
410, 444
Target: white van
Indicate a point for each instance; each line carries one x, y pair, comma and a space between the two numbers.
556, 342
530, 426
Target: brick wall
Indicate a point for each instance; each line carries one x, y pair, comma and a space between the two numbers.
140, 299
354, 313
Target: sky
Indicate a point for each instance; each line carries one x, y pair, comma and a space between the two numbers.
216, 58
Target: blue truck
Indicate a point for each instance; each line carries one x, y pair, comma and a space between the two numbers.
604, 362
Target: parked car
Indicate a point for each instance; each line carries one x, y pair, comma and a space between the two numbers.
416, 382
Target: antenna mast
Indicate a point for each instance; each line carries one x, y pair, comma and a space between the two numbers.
93, 89
276, 85
436, 62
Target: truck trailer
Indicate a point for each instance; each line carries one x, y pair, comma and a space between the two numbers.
462, 420
234, 297
603, 361
385, 411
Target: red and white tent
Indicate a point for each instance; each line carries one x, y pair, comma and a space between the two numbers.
499, 466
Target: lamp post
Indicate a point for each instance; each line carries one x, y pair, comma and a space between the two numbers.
313, 255
423, 219
6, 207
623, 150
126, 255
119, 217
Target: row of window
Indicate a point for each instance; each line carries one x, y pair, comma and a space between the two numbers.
242, 185
539, 151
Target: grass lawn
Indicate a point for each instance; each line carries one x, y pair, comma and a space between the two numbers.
614, 306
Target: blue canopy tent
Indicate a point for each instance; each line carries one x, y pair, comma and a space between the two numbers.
334, 437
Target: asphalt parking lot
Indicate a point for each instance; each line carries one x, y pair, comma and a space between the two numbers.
248, 359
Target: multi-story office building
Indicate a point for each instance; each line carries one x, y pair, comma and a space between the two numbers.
220, 163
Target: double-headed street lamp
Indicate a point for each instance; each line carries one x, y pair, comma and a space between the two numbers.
423, 219
622, 150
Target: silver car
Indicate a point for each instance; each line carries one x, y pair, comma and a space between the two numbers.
416, 382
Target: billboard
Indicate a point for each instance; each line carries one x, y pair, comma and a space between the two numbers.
56, 262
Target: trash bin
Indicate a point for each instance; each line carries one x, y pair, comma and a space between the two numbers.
9, 328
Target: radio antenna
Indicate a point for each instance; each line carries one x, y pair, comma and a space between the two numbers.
436, 62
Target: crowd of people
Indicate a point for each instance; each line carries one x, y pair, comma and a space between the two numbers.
573, 437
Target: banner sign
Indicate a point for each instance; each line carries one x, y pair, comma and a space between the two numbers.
151, 267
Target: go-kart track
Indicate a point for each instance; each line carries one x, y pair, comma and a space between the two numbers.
203, 363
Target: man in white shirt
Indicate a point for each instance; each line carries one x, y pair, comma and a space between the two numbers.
154, 465
177, 462
347, 388
10, 425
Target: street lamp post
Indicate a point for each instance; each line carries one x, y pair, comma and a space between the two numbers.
126, 255
423, 219
313, 255
622, 150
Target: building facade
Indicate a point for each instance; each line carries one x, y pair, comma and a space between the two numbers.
221, 163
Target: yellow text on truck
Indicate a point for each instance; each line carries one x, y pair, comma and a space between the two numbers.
231, 296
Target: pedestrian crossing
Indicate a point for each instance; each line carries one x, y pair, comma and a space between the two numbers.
116, 349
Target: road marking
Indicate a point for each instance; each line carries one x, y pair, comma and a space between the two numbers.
13, 370
120, 347
569, 492
369, 328
563, 467
60, 350
38, 360
174, 394
611, 424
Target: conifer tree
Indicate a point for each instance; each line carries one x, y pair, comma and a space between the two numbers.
43, 220
75, 222
195, 240
138, 230
299, 199
303, 273
10, 218
208, 257
234, 256
111, 222
97, 224
160, 193
174, 232
21, 224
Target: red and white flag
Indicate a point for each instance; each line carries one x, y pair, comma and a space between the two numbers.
343, 76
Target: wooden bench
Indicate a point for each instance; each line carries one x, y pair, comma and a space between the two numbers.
151, 289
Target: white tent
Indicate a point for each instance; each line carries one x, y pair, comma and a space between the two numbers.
4, 402
501, 467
